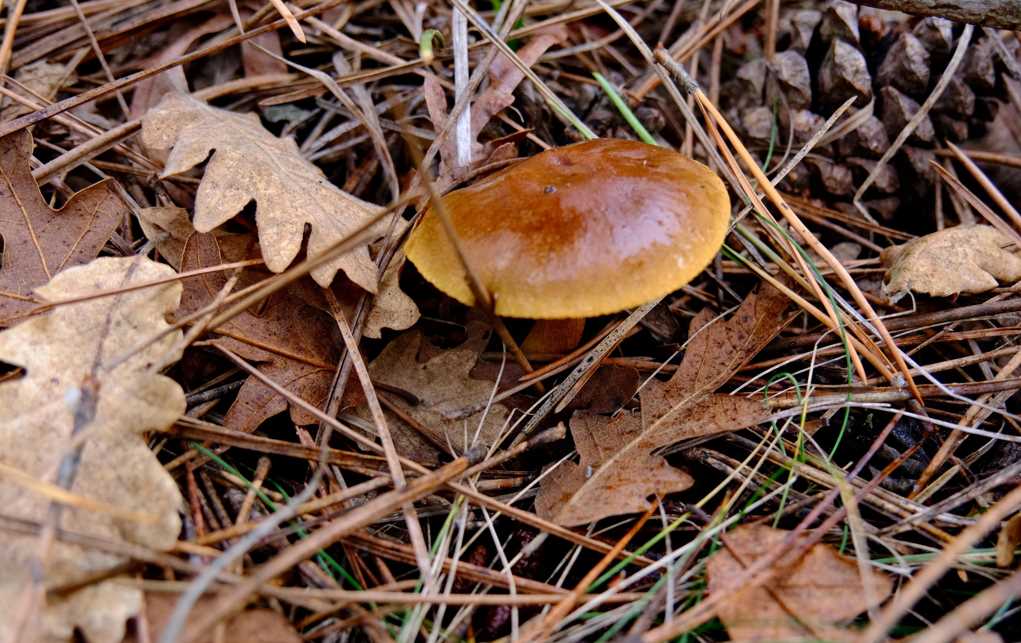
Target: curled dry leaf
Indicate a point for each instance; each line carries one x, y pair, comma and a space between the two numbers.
74, 352
391, 307
169, 228
39, 242
249, 163
963, 259
443, 390
614, 476
805, 598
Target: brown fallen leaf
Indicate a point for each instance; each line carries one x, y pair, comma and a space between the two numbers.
615, 478
624, 484
250, 626
293, 342
963, 259
39, 242
505, 76
249, 163
715, 351
68, 354
443, 388
805, 599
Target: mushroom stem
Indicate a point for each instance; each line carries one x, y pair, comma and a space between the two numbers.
554, 336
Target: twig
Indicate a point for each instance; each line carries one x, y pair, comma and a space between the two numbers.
462, 131
1001, 14
383, 430
10, 29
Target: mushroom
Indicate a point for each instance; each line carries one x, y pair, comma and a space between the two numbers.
579, 231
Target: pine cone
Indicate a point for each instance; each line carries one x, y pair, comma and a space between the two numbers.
827, 57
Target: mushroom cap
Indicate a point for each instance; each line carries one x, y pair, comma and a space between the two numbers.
583, 230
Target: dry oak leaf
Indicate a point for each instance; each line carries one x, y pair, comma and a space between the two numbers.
614, 478
69, 354
294, 343
963, 259
249, 163
716, 349
805, 598
624, 485
443, 388
37, 241
618, 471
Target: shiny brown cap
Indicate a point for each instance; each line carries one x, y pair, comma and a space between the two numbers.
583, 230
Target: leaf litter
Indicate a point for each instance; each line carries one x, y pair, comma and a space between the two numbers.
440, 389
291, 335
241, 167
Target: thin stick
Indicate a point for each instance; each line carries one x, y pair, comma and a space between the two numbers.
482, 296
937, 91
463, 129
1001, 14
772, 19
288, 16
970, 612
987, 185
548, 625
96, 49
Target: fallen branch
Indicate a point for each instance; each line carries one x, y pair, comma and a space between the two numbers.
1001, 14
